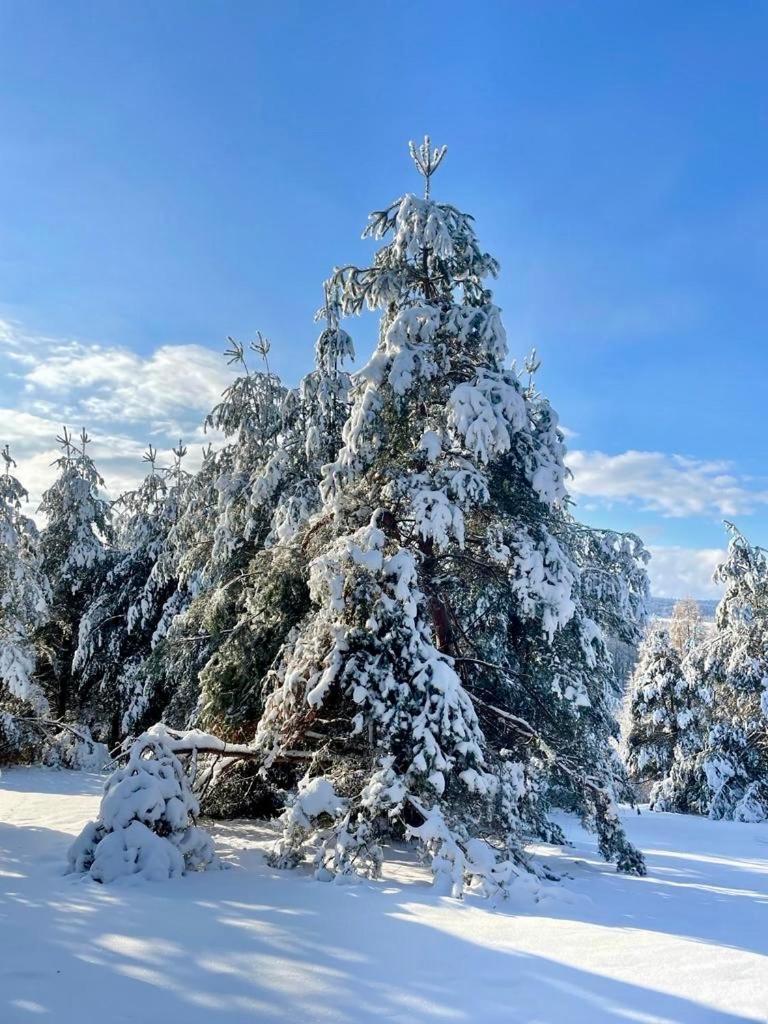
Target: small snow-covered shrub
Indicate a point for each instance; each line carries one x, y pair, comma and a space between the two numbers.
76, 750
146, 824
472, 864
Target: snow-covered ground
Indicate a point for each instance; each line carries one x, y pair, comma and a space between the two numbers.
689, 943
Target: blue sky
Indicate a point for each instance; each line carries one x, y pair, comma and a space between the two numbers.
172, 172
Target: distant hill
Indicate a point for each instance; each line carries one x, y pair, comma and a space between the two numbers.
661, 607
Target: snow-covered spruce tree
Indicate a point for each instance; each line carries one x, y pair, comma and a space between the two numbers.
254, 491
116, 630
284, 492
659, 708
24, 597
447, 681
725, 775
75, 552
146, 823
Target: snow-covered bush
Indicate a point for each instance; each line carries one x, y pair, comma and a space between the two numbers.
146, 824
318, 821
75, 748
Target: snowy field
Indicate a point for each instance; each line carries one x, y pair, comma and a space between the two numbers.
689, 943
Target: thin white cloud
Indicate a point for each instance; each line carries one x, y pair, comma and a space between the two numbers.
116, 383
19, 346
124, 399
683, 572
19, 427
672, 485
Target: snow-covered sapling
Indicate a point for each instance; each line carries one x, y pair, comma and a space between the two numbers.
146, 824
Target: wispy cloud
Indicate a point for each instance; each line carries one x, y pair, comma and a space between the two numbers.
672, 485
124, 399
109, 382
683, 572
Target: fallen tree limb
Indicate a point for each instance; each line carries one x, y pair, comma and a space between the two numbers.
44, 724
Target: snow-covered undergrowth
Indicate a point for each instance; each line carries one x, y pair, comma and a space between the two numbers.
685, 945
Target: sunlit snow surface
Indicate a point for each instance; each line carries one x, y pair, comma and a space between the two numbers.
689, 943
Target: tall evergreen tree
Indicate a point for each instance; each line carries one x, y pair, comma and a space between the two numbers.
76, 553
217, 529
181, 641
314, 415
447, 680
250, 416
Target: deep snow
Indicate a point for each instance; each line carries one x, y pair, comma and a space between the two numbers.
689, 943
